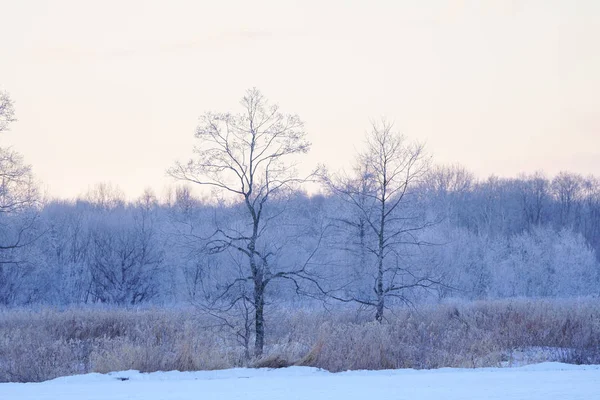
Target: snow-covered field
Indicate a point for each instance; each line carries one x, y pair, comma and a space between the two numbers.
547, 381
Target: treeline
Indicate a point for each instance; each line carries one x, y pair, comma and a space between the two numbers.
529, 236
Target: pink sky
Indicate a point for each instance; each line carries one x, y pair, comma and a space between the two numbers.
111, 91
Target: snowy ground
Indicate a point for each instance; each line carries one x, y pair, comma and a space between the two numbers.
547, 381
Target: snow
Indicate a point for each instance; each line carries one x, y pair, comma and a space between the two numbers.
545, 381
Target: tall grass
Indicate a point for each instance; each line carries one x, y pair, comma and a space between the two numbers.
37, 345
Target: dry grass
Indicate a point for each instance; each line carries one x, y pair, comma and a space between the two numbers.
36, 345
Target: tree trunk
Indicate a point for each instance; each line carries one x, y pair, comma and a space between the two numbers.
380, 255
259, 319
379, 312
259, 294
379, 291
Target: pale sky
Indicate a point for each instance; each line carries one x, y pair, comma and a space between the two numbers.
110, 91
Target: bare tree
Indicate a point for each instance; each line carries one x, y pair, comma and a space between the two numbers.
249, 157
534, 193
7, 111
567, 188
19, 201
105, 196
389, 170
19, 196
591, 212
66, 246
448, 187
126, 256
17, 189
449, 179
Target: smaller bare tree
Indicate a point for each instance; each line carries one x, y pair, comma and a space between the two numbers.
382, 195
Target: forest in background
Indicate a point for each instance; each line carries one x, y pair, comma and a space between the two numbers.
495, 238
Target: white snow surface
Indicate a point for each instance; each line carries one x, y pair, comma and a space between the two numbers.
547, 381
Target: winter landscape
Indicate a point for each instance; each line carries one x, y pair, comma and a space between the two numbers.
406, 206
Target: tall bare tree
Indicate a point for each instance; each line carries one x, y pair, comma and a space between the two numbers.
389, 170
250, 158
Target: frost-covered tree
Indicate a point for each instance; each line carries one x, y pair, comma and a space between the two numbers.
249, 159
126, 256
534, 191
66, 246
19, 206
7, 111
384, 196
547, 263
567, 188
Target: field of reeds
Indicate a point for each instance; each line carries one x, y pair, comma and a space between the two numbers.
41, 344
